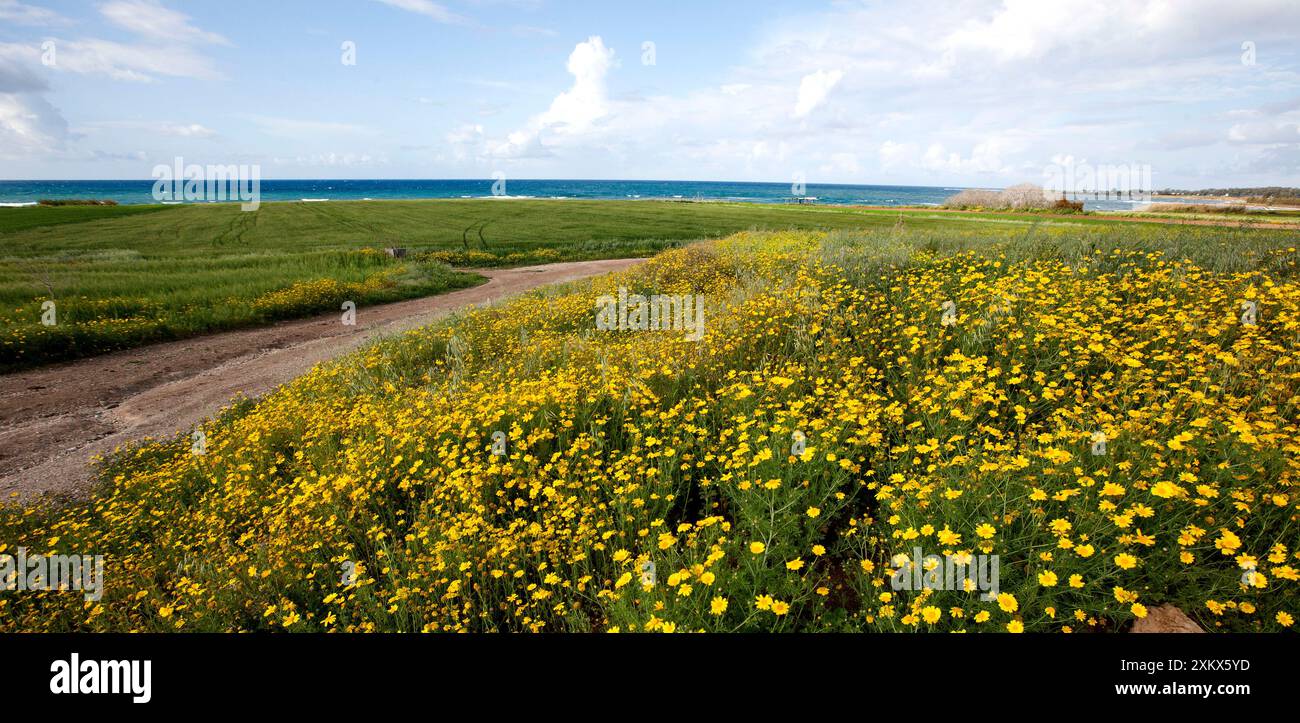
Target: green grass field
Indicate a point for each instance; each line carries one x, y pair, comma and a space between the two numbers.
129, 275
17, 219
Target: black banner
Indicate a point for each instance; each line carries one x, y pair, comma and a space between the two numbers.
332, 673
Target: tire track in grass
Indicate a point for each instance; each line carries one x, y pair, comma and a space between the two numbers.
337, 219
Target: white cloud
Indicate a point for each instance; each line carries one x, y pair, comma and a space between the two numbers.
973, 91
185, 130
530, 30
167, 47
333, 159
841, 164
466, 141
29, 124
18, 69
467, 133
1265, 132
970, 92
985, 157
12, 11
1185, 138
158, 128
140, 63
151, 20
573, 112
1023, 29
298, 129
894, 156
518, 145
813, 89
427, 8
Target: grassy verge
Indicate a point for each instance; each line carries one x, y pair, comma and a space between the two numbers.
856, 396
125, 299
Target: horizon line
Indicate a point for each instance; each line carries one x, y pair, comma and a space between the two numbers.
807, 184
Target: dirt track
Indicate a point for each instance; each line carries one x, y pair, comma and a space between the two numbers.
54, 419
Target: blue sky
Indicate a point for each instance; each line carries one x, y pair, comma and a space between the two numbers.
943, 92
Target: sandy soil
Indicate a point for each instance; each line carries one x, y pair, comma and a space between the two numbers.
54, 419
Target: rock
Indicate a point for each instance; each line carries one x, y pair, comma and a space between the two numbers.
1166, 619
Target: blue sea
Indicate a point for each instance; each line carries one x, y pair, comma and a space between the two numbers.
136, 192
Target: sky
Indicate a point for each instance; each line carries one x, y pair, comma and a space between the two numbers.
1204, 93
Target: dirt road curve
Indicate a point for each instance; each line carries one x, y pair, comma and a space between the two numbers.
54, 419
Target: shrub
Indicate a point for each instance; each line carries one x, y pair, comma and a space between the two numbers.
1275, 200
1023, 196
974, 198
76, 202
306, 297
460, 258
486, 259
